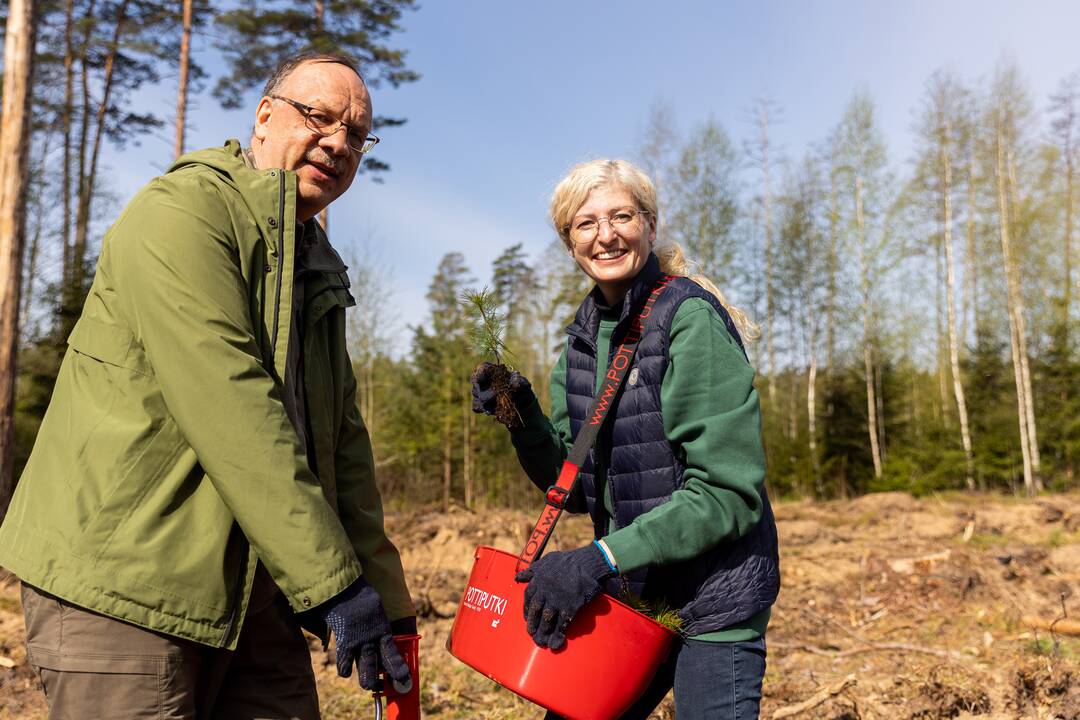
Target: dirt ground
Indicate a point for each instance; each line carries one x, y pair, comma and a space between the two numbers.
890, 608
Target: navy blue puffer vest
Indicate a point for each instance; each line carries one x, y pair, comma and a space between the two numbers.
725, 585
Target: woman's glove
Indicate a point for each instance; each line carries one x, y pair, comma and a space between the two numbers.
560, 584
362, 635
521, 392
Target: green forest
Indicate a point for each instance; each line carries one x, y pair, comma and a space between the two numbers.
918, 328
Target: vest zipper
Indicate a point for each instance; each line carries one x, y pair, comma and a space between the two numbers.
580, 335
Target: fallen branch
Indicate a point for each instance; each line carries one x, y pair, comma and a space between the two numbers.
1061, 626
905, 647
816, 699
869, 646
774, 644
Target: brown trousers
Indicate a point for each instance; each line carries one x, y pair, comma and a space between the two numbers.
93, 666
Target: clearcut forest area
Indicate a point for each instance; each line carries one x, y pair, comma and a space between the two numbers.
891, 608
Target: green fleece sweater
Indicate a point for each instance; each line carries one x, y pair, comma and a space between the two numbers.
711, 418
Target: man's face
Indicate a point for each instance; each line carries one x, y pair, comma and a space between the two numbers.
324, 166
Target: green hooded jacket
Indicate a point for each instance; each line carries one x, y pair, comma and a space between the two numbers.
166, 464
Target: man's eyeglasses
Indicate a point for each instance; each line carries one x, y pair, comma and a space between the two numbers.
586, 229
326, 125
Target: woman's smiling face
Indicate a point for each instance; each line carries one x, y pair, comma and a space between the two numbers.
612, 253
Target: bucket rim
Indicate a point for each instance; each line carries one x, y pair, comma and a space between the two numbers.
610, 597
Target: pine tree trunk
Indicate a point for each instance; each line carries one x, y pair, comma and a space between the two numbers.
14, 143
466, 451
447, 465
868, 365
66, 120
182, 90
1003, 211
70, 292
30, 267
954, 350
87, 181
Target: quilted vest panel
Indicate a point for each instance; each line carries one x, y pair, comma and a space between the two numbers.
726, 585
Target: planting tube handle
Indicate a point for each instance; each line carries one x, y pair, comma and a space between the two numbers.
557, 494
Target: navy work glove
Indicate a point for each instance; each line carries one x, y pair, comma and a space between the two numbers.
362, 635
483, 397
560, 584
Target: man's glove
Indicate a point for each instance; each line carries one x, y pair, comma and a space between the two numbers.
362, 635
483, 397
560, 584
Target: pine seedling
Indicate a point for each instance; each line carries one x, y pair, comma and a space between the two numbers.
487, 326
487, 331
656, 610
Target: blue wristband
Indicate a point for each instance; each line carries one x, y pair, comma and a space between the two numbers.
604, 554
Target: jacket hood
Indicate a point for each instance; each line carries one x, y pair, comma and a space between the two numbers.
263, 191
227, 160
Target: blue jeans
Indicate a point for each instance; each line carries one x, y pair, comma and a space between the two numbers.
712, 681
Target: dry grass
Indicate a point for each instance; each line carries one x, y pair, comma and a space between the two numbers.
867, 589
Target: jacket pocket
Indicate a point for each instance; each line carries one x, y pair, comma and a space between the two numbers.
108, 343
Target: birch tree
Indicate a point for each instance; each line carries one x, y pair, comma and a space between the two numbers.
657, 153
862, 167
801, 258
1065, 123
940, 136
761, 154
704, 201
1008, 114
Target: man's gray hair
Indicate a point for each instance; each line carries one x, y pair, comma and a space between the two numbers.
308, 56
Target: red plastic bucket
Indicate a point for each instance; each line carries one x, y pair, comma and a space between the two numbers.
610, 656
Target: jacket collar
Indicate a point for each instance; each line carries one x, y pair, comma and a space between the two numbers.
586, 323
259, 188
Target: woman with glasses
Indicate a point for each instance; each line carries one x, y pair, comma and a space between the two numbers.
675, 482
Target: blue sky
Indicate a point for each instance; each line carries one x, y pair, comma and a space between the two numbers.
512, 94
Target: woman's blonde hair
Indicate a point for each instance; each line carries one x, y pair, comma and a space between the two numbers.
572, 192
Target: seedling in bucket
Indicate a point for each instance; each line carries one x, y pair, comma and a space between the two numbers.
656, 610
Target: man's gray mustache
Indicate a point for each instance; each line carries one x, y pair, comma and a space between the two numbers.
335, 166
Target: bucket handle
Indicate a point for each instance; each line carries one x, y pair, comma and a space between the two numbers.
556, 496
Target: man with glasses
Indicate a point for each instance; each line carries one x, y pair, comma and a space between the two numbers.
202, 485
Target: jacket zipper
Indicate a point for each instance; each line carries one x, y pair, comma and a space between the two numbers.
281, 259
234, 603
234, 600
